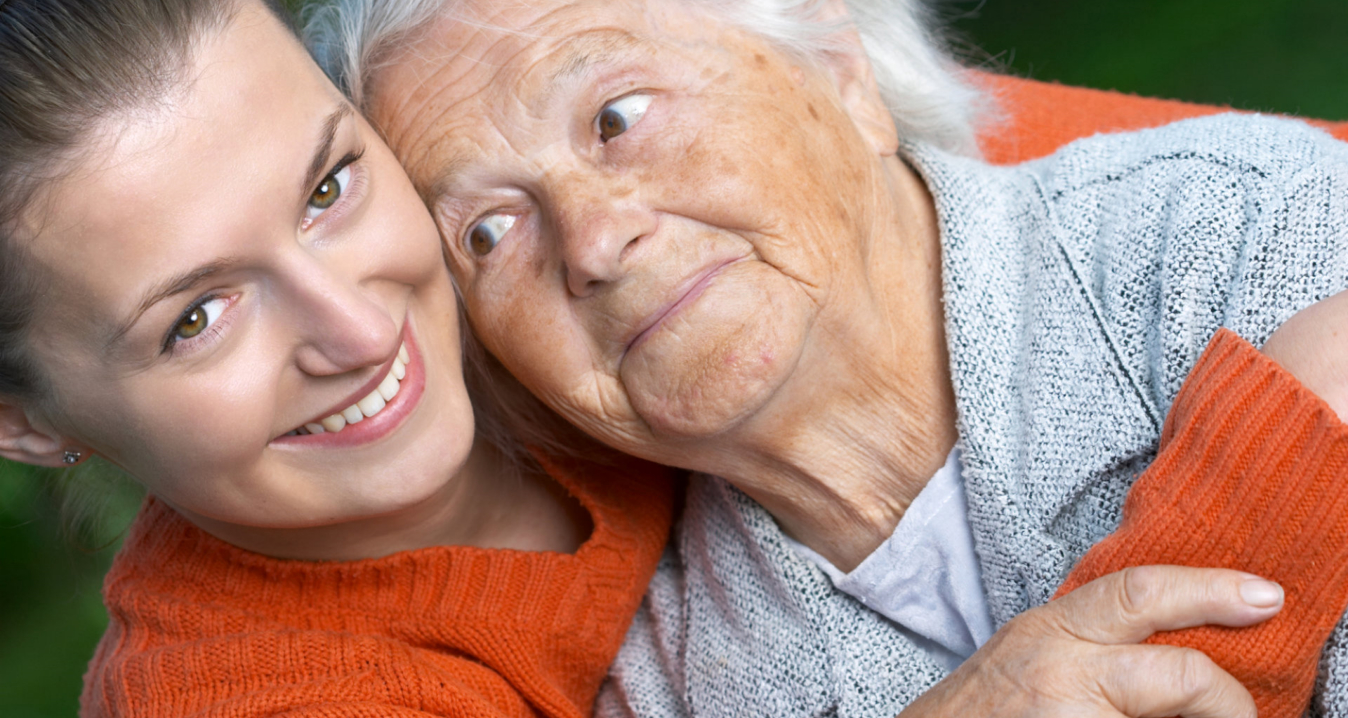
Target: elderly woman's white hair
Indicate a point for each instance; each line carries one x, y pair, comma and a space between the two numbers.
922, 85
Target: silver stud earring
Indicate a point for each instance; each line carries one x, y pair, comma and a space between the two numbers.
72, 457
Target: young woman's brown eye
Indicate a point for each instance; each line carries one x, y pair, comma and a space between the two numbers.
328, 192
620, 115
485, 235
193, 324
199, 318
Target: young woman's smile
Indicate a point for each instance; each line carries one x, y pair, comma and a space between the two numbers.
374, 411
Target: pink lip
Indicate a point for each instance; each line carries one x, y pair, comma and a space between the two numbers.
688, 293
370, 429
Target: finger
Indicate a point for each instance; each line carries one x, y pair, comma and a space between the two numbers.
1159, 681
1129, 605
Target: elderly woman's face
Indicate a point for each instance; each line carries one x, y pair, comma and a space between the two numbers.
648, 211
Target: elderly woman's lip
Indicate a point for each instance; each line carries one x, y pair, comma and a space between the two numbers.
697, 284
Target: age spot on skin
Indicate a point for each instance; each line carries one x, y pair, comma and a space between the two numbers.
540, 267
813, 112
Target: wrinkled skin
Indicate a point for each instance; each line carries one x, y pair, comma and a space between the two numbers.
750, 251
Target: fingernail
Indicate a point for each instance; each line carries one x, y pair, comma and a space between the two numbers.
1260, 593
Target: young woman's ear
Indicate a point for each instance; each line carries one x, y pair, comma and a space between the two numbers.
855, 79
21, 441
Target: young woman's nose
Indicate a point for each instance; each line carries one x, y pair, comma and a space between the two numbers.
341, 326
598, 220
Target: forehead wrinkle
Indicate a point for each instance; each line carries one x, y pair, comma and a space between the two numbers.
418, 132
591, 48
452, 155
582, 53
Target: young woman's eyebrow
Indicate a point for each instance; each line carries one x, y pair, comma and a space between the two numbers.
319, 164
170, 287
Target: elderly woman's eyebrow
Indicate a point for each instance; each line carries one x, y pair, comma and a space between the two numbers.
581, 55
588, 51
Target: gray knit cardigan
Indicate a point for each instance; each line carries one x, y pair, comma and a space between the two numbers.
1079, 291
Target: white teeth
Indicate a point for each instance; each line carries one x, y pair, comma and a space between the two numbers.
388, 388
370, 405
367, 407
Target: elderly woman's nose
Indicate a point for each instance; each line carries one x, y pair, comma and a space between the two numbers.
341, 326
598, 224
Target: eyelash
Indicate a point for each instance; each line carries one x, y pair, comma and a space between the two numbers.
638, 101
356, 183
596, 125
180, 347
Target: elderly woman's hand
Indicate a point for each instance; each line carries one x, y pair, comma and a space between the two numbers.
1313, 347
1078, 655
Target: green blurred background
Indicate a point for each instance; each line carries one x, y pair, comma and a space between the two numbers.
1271, 55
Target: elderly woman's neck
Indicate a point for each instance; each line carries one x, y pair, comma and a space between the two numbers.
871, 416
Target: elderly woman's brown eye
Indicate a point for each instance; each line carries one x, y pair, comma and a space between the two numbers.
485, 235
620, 115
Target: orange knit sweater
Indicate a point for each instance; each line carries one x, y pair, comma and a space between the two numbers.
1040, 117
201, 628
1251, 476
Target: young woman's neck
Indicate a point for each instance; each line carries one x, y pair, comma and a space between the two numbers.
491, 503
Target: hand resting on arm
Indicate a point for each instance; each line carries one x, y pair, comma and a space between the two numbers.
1079, 655
1249, 477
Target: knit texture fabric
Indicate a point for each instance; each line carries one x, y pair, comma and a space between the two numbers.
1273, 501
1079, 290
201, 628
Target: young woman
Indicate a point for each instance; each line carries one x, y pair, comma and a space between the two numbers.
218, 278
214, 274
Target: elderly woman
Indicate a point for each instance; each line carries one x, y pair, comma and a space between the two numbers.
704, 234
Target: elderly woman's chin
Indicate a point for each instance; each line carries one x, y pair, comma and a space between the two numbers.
719, 359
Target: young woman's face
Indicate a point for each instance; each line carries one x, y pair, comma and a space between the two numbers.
237, 263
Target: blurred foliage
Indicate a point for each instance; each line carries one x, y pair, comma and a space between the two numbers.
58, 531
1272, 55
1268, 55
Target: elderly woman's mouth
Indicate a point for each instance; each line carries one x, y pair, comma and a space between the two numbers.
689, 291
683, 296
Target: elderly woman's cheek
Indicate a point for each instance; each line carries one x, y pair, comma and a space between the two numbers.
721, 358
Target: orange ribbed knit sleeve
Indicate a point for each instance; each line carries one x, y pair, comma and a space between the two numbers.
1252, 474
